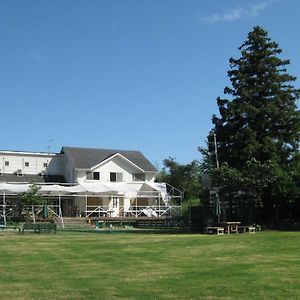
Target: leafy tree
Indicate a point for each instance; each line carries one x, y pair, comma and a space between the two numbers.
258, 131
184, 177
26, 200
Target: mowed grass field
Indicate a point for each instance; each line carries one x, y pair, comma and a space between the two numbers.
72, 265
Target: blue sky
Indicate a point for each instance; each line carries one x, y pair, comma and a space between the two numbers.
126, 74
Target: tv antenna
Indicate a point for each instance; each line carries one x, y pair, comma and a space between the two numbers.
49, 145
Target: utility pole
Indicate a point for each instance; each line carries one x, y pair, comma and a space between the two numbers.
217, 199
216, 150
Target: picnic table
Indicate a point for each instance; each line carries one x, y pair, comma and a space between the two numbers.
38, 227
231, 227
214, 230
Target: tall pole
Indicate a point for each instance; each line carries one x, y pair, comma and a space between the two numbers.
217, 200
216, 150
4, 209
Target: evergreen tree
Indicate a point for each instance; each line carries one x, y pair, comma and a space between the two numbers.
261, 119
258, 131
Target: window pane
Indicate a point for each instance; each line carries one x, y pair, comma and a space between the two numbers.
119, 177
96, 175
89, 175
138, 177
115, 202
113, 177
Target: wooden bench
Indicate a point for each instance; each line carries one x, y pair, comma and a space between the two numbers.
248, 228
214, 230
38, 227
251, 229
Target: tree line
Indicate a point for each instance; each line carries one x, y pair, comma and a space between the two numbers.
252, 157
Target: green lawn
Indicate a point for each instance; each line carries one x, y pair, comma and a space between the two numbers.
74, 265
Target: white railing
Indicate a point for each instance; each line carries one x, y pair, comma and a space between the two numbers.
133, 211
97, 210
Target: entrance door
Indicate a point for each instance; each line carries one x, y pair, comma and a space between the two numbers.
68, 207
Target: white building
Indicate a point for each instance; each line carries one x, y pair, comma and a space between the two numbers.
99, 183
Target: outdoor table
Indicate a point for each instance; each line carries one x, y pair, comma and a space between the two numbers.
231, 227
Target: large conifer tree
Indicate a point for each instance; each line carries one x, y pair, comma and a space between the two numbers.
258, 132
260, 120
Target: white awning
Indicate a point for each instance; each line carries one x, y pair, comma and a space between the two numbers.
74, 189
51, 188
122, 188
13, 188
160, 187
96, 187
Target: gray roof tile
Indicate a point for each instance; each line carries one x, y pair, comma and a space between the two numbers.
86, 158
31, 178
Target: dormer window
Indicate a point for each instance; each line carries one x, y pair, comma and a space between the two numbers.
138, 177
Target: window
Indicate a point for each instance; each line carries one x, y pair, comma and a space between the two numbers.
96, 175
138, 177
45, 165
6, 163
115, 203
113, 177
116, 177
92, 175
26, 164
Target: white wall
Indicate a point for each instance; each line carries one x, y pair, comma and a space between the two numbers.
118, 165
36, 163
69, 169
81, 176
61, 164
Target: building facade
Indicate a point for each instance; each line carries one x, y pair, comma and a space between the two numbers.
87, 182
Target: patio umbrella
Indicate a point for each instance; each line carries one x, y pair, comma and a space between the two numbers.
45, 211
217, 206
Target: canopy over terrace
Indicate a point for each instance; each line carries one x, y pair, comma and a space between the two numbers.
131, 190
127, 195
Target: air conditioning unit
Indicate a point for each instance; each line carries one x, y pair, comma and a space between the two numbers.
18, 172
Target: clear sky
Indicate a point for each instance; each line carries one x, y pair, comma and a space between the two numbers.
126, 74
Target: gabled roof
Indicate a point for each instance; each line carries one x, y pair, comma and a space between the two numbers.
86, 158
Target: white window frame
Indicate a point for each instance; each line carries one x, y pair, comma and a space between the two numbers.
94, 173
135, 177
119, 177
